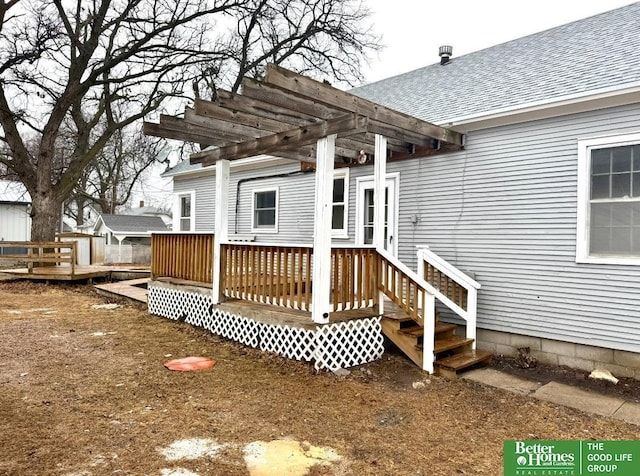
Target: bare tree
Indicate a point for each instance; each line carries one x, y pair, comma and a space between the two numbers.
327, 39
108, 181
73, 74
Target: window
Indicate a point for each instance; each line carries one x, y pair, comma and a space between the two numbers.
265, 210
609, 200
184, 211
339, 224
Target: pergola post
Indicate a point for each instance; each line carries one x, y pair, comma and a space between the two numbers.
221, 225
380, 178
321, 277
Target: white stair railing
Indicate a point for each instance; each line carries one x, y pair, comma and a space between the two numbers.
451, 287
413, 295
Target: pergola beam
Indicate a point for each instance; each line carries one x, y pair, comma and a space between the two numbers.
271, 110
326, 94
344, 125
270, 96
286, 115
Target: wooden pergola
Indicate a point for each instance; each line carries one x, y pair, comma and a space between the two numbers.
291, 116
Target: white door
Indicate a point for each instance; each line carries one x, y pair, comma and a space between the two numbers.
364, 214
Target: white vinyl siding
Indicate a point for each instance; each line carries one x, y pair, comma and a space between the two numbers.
506, 209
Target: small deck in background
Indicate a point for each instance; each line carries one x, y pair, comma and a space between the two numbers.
60, 273
65, 273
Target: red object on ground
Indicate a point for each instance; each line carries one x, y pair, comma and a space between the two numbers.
189, 363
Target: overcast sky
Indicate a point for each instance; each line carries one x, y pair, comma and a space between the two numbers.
412, 30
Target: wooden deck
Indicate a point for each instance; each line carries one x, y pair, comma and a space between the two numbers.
60, 273
132, 289
81, 272
270, 314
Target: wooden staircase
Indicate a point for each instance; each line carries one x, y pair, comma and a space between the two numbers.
453, 353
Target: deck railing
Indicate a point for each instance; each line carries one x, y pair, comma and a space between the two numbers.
272, 274
281, 275
36, 253
451, 287
182, 256
353, 277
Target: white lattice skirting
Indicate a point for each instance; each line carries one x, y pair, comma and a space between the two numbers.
328, 346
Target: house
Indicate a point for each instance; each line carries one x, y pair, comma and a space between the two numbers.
127, 229
127, 237
15, 206
149, 211
540, 206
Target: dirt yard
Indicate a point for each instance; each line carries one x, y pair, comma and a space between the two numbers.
84, 392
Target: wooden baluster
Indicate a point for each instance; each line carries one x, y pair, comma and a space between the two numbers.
292, 278
284, 277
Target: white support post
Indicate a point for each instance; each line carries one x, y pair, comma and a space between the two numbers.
380, 180
325, 156
472, 313
221, 225
428, 345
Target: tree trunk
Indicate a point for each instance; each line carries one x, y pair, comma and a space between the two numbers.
45, 216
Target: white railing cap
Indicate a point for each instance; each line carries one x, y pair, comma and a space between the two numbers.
450, 270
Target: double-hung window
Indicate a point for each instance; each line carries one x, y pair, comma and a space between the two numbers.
265, 210
339, 222
184, 211
609, 200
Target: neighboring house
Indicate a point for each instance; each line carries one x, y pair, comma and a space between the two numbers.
128, 229
149, 211
127, 237
542, 205
15, 206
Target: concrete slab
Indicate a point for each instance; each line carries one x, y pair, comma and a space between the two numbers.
629, 412
498, 379
579, 399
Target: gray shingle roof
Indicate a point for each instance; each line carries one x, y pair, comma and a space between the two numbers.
588, 55
133, 223
182, 166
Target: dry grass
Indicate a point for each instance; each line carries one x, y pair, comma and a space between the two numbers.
76, 403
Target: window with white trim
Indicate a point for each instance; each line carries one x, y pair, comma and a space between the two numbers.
265, 210
184, 218
339, 223
609, 200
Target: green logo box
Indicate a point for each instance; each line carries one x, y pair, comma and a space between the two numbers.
571, 458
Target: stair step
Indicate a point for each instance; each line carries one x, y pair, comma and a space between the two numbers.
418, 331
448, 366
398, 316
414, 331
442, 327
450, 343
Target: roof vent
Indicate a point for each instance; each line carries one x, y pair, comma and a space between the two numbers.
445, 53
